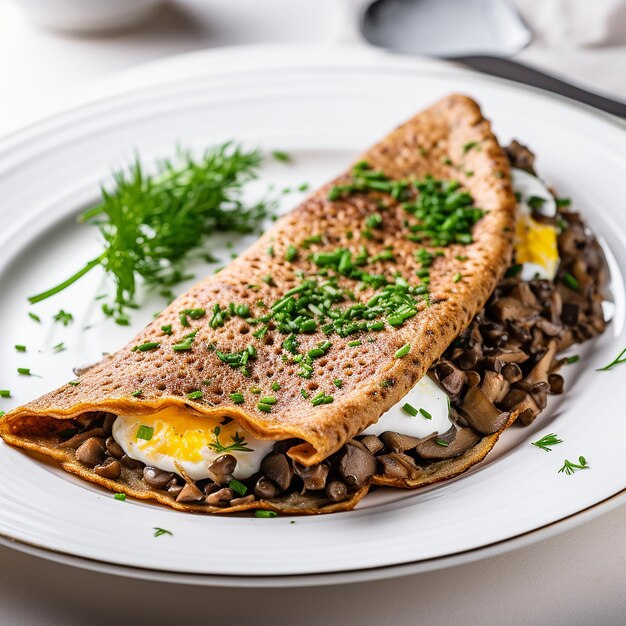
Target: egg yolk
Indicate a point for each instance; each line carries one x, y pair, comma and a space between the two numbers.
182, 436
536, 243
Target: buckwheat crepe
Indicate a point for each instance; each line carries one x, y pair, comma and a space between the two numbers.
434, 142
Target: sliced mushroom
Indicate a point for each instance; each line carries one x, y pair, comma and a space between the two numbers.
91, 452
242, 500
114, 448
398, 442
464, 439
277, 468
109, 468
130, 463
372, 443
314, 477
357, 465
265, 489
189, 493
222, 468
480, 412
77, 440
107, 424
512, 372
156, 477
510, 309
220, 498
336, 491
556, 383
174, 487
495, 386
398, 465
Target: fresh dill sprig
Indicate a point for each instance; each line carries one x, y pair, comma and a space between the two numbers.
618, 360
569, 468
151, 224
548, 440
238, 444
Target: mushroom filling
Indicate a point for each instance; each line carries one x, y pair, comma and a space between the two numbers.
505, 362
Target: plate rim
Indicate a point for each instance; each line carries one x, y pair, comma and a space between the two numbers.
403, 64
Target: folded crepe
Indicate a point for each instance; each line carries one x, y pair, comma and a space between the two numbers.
222, 339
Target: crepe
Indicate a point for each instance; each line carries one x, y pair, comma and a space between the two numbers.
434, 142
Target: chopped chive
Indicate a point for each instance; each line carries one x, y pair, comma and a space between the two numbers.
74, 383
20, 348
563, 202
468, 146
275, 386
409, 409
279, 155
138, 393
195, 395
120, 496
161, 531
403, 351
303, 393
24, 371
441, 442
426, 414
573, 359
167, 330
338, 383
144, 432
2, 413
268, 399
238, 487
264, 513
303, 187
63, 317
5, 393
461, 257
263, 406
570, 281
457, 277
618, 360
34, 316
321, 398
145, 347
237, 398
186, 343
59, 347
355, 343
291, 253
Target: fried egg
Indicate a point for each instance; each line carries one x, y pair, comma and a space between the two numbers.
535, 243
431, 404
175, 436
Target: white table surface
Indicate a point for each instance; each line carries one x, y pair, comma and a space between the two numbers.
578, 577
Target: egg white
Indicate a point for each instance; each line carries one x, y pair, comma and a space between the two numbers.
535, 243
183, 438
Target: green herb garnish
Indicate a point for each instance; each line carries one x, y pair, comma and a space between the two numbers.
35, 317
20, 348
151, 224
24, 371
63, 317
144, 432
145, 347
618, 360
238, 444
138, 393
572, 359
161, 531
237, 398
264, 513
403, 351
195, 395
321, 398
186, 342
5, 393
120, 496
570, 281
238, 487
546, 441
426, 414
59, 347
409, 409
279, 155
569, 468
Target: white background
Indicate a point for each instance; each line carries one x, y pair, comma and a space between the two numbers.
576, 578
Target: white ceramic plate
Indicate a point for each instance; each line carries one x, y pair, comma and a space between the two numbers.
323, 116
